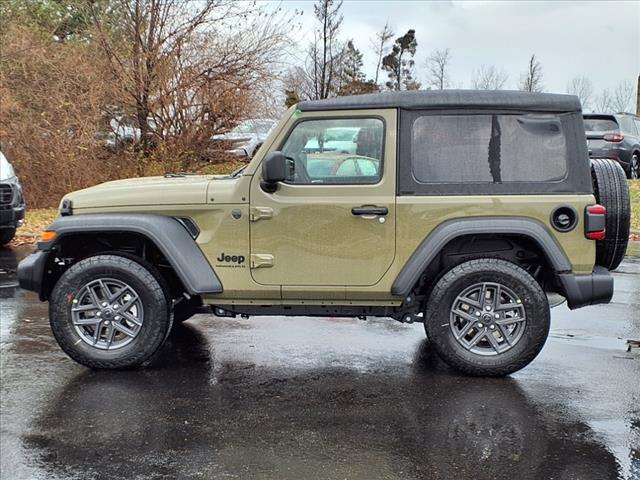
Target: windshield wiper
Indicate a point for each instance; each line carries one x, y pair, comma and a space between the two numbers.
238, 172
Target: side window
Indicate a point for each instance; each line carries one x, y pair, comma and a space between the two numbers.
637, 122
488, 149
346, 151
628, 125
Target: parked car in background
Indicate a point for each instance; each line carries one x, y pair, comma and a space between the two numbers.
247, 136
122, 131
616, 137
11, 201
341, 140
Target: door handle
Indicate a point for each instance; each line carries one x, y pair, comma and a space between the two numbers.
380, 211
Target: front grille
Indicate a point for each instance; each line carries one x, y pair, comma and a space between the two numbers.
6, 194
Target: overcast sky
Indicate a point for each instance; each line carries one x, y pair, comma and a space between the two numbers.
599, 39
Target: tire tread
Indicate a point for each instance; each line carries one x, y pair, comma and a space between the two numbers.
58, 306
433, 319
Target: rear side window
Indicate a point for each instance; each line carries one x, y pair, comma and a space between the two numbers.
600, 125
628, 125
487, 148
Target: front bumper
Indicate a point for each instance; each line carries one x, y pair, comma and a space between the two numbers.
583, 290
31, 273
11, 217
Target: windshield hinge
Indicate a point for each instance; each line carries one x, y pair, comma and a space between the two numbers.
260, 213
261, 260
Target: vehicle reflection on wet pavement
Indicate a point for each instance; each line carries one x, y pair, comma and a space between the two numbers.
300, 398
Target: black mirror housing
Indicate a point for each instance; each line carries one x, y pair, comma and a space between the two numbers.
274, 169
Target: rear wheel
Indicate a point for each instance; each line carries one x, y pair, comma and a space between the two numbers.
611, 190
109, 311
487, 317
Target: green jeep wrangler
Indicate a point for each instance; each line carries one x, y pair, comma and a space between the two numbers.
468, 211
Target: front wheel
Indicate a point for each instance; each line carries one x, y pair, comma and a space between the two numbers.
487, 317
109, 311
6, 235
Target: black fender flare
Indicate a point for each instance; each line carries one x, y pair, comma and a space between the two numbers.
167, 233
431, 246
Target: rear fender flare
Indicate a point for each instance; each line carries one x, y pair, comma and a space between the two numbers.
451, 229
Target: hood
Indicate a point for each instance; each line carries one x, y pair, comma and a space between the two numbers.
175, 190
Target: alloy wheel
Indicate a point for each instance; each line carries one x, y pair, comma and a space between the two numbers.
107, 313
487, 319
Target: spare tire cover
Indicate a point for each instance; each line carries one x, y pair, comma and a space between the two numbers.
611, 190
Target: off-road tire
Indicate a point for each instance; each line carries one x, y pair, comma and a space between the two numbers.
157, 312
6, 235
611, 190
455, 281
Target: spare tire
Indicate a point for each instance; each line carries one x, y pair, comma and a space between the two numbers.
611, 191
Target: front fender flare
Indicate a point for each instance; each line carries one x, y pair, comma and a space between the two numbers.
447, 231
167, 233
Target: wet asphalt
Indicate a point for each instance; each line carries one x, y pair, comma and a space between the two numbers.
303, 398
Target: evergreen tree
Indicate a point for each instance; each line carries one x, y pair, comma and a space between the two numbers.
352, 67
399, 63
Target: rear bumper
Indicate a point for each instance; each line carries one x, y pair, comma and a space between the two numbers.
621, 156
583, 290
31, 272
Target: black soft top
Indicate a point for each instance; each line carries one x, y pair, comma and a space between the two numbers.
450, 99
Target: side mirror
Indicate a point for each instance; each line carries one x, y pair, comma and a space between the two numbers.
274, 170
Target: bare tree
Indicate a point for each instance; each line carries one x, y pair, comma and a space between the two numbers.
531, 81
622, 99
379, 45
186, 65
583, 89
603, 102
437, 65
300, 82
152, 34
489, 78
325, 51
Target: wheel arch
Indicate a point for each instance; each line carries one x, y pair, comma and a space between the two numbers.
447, 232
98, 233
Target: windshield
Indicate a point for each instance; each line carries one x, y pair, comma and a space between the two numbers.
600, 125
6, 170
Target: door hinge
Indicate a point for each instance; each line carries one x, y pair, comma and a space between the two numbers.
260, 213
261, 260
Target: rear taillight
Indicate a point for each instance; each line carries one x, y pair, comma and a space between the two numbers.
614, 137
595, 222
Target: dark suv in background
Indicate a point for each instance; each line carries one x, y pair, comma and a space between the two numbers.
11, 201
616, 137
